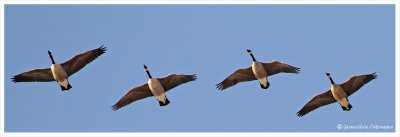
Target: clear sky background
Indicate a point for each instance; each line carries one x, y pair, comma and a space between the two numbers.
207, 40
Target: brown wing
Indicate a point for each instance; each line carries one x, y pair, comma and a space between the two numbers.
79, 61
316, 102
240, 75
133, 95
37, 75
356, 82
173, 80
279, 67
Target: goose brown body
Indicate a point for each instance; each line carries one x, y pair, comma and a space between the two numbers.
347, 89
154, 87
257, 71
60, 72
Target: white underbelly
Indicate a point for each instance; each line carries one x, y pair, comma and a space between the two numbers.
263, 81
162, 98
64, 83
343, 102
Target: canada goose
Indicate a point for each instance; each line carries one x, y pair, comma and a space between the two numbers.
258, 71
154, 87
60, 72
337, 93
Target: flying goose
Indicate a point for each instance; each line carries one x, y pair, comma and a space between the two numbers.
154, 87
60, 72
337, 93
257, 71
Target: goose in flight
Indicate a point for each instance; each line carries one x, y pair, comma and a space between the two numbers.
337, 93
257, 71
154, 87
60, 72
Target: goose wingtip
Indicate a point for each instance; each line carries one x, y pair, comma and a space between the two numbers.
299, 114
219, 87
13, 79
298, 70
114, 108
374, 75
103, 48
193, 76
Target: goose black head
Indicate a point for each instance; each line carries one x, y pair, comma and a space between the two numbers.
249, 51
147, 71
251, 54
330, 78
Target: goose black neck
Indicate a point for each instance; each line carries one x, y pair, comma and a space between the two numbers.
147, 71
330, 78
254, 59
148, 74
51, 57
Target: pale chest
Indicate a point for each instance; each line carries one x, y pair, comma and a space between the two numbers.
58, 72
258, 70
155, 87
338, 92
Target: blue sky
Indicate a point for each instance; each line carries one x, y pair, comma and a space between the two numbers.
207, 40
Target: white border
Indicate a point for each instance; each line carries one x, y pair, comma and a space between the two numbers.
199, 2
219, 134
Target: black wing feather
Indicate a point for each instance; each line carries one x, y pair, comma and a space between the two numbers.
276, 67
37, 75
316, 102
79, 61
173, 80
238, 76
133, 95
356, 82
